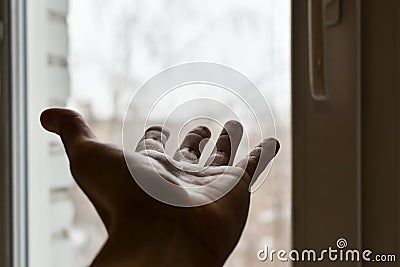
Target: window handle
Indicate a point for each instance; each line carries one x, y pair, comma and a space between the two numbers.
316, 51
321, 14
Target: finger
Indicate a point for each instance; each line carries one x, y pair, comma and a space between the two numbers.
258, 159
69, 125
73, 130
192, 145
154, 138
227, 144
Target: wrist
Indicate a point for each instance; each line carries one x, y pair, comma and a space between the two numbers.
166, 247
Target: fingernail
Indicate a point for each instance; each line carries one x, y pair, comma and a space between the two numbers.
273, 145
48, 121
159, 129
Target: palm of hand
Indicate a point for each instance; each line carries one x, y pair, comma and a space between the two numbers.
133, 217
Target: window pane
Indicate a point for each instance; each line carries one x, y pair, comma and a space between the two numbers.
106, 49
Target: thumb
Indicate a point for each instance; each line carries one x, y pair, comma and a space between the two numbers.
69, 125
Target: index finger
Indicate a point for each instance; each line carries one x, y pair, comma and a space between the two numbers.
259, 158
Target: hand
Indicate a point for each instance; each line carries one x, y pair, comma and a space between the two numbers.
142, 230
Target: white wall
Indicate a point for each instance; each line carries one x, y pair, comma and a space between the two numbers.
50, 210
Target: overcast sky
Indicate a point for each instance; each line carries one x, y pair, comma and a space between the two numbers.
115, 45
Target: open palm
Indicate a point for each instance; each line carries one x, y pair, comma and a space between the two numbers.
144, 231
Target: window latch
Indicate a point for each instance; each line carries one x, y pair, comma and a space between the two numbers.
1, 31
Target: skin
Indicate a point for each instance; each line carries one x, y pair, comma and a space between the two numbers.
143, 231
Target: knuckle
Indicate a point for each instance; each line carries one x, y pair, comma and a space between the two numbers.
203, 131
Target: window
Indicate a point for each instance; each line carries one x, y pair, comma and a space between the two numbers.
92, 55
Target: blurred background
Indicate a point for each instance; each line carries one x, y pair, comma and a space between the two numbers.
95, 54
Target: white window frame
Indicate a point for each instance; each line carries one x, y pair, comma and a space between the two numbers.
17, 116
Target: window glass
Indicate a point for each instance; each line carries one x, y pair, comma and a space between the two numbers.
99, 52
